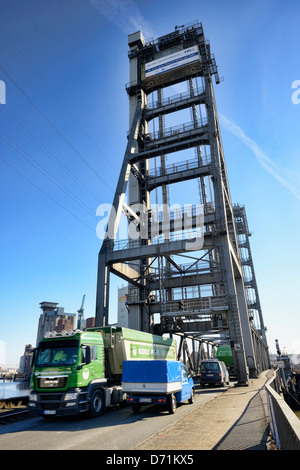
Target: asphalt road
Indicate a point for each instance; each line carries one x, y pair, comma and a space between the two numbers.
116, 429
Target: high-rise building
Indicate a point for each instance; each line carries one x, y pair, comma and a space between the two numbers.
25, 367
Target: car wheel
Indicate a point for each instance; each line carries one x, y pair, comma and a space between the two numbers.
192, 399
172, 404
97, 404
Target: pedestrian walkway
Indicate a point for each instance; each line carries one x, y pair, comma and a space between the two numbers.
235, 420
250, 432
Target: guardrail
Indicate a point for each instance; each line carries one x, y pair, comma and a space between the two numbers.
175, 99
284, 424
179, 129
187, 235
180, 166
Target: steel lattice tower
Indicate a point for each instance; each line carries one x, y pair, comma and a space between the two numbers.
183, 264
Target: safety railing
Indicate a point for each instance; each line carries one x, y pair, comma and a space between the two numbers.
196, 306
284, 424
181, 166
175, 130
175, 99
186, 235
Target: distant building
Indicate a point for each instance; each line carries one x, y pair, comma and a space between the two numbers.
90, 322
54, 318
25, 368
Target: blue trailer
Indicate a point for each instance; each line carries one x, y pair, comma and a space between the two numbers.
158, 382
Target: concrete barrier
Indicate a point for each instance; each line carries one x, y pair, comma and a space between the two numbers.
284, 424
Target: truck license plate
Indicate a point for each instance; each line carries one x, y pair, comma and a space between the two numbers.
49, 412
145, 400
210, 375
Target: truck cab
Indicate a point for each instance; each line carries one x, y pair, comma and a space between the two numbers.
187, 389
66, 370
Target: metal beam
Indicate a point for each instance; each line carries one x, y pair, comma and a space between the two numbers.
125, 272
102, 294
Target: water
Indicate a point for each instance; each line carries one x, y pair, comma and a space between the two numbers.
13, 389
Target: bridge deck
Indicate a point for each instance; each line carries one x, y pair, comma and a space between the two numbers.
238, 420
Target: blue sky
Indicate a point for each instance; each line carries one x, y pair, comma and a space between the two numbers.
63, 135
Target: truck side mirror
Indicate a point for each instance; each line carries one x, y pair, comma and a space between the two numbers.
33, 357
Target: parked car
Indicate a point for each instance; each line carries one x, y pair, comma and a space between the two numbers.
213, 371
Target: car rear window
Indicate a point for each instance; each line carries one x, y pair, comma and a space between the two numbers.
214, 366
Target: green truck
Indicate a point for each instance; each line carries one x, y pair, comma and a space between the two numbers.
224, 353
81, 371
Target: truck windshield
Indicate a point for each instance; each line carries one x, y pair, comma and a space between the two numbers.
57, 353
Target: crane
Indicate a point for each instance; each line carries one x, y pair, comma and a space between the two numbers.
80, 313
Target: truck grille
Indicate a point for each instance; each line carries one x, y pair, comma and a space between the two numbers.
49, 406
51, 397
52, 382
49, 401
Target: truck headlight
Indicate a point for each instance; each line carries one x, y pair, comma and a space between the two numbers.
71, 396
33, 397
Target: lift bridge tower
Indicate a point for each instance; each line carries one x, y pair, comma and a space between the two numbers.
181, 258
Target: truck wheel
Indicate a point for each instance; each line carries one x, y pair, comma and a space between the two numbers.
192, 399
97, 404
172, 405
